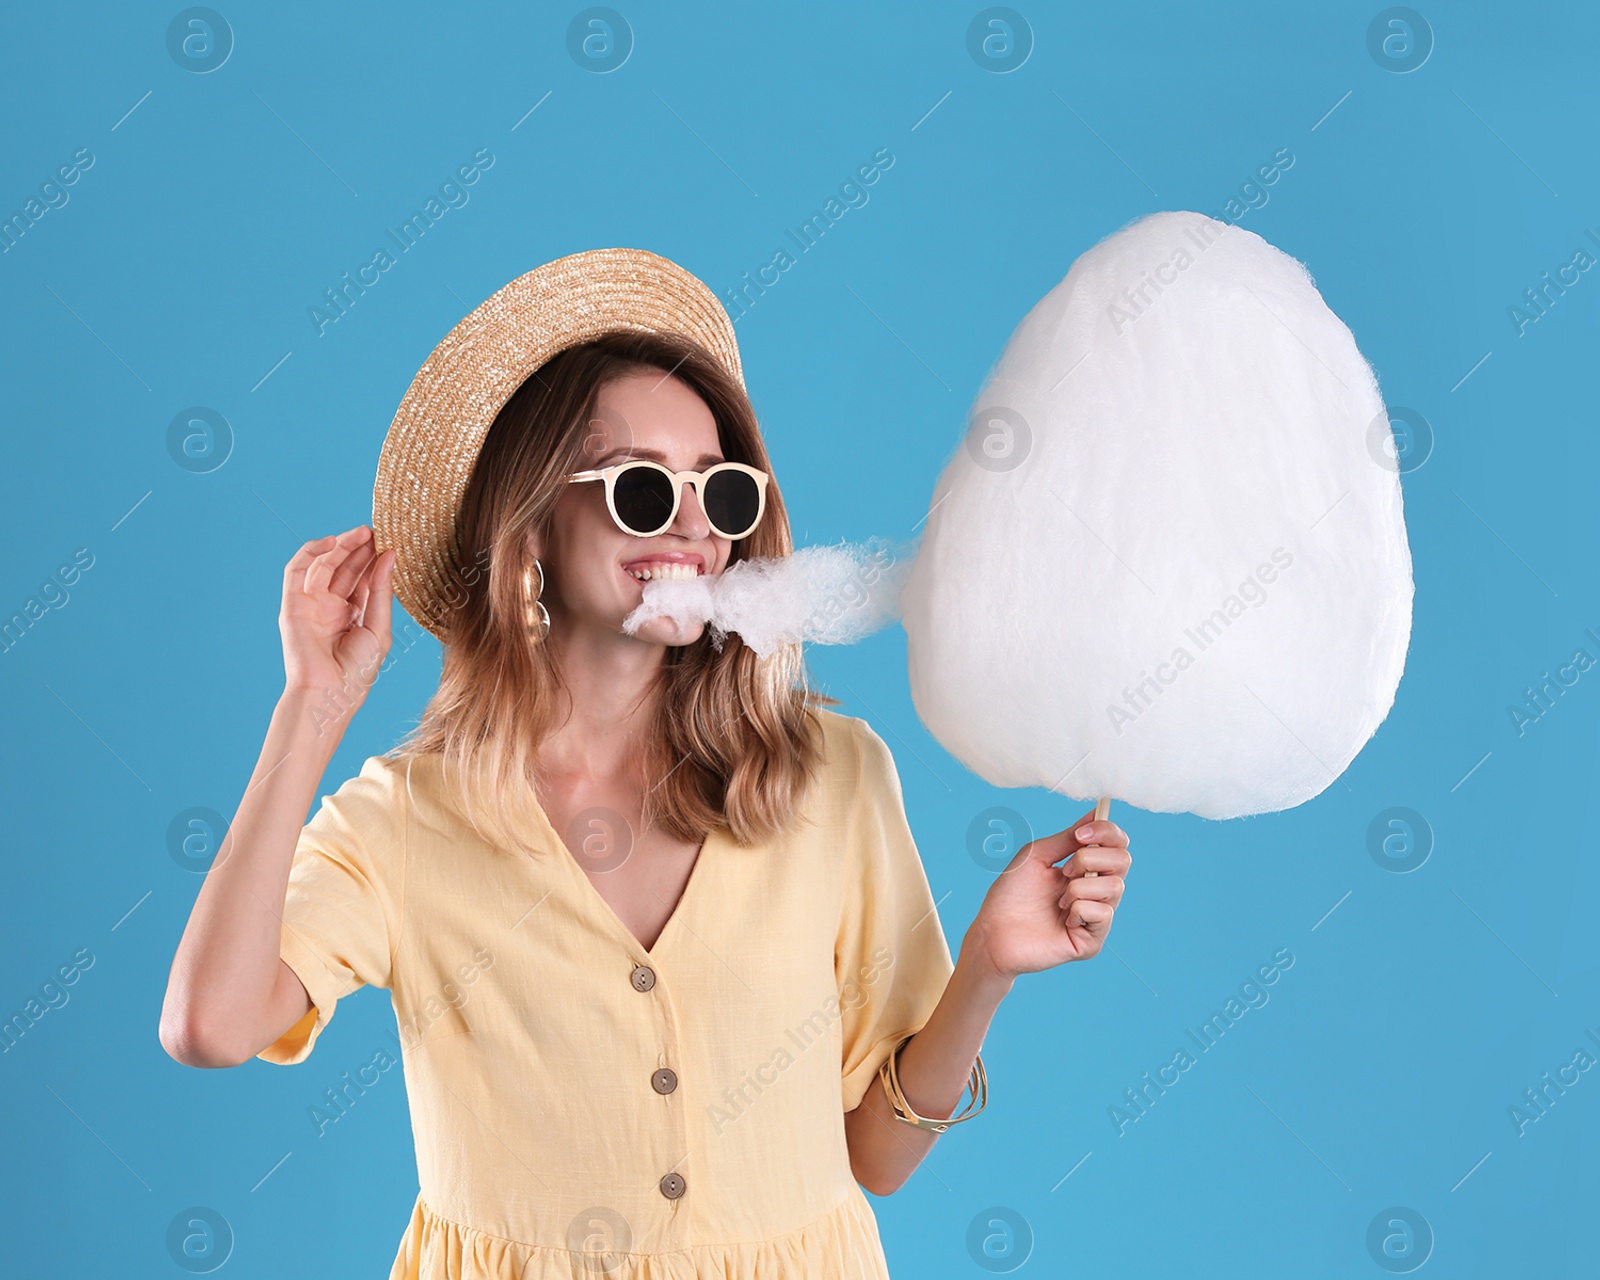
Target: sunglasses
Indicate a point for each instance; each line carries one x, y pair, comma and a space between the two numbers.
643, 496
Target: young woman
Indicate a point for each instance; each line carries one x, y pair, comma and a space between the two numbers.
669, 977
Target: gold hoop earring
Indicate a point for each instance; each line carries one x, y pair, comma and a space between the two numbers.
537, 620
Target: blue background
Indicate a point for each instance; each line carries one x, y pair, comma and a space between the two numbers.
220, 206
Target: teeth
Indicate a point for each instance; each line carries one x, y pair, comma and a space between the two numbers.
657, 572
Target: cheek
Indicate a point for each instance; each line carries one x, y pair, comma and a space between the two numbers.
596, 581
586, 552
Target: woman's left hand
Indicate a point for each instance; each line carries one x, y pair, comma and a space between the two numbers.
1038, 915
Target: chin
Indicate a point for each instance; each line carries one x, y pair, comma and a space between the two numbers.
671, 633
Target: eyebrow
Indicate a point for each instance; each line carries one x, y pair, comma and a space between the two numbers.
655, 455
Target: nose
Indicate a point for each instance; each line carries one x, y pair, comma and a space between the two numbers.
691, 521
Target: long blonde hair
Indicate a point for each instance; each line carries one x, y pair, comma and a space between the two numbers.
733, 741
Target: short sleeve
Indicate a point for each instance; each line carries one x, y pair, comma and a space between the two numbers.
342, 907
891, 958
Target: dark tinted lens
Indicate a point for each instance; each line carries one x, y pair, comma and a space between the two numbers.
643, 498
732, 500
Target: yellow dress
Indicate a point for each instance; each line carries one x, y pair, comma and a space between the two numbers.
583, 1106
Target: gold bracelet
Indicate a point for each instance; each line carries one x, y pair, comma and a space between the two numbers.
978, 1083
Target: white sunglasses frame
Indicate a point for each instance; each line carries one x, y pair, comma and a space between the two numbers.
696, 478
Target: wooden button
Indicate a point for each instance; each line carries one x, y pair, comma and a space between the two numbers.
644, 977
664, 1080
673, 1186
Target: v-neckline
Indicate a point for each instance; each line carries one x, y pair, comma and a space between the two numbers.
605, 908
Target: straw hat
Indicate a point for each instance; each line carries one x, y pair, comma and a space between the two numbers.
440, 426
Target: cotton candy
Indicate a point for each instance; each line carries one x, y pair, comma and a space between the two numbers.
1168, 563
823, 594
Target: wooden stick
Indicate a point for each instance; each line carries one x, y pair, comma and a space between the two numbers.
1102, 810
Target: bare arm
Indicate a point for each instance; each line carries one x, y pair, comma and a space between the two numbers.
230, 994
1036, 915
933, 1070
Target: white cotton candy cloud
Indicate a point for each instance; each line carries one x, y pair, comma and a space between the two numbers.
824, 595
1168, 564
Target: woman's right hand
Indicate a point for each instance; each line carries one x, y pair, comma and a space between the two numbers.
335, 619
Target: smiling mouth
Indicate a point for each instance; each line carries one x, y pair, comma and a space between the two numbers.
664, 572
